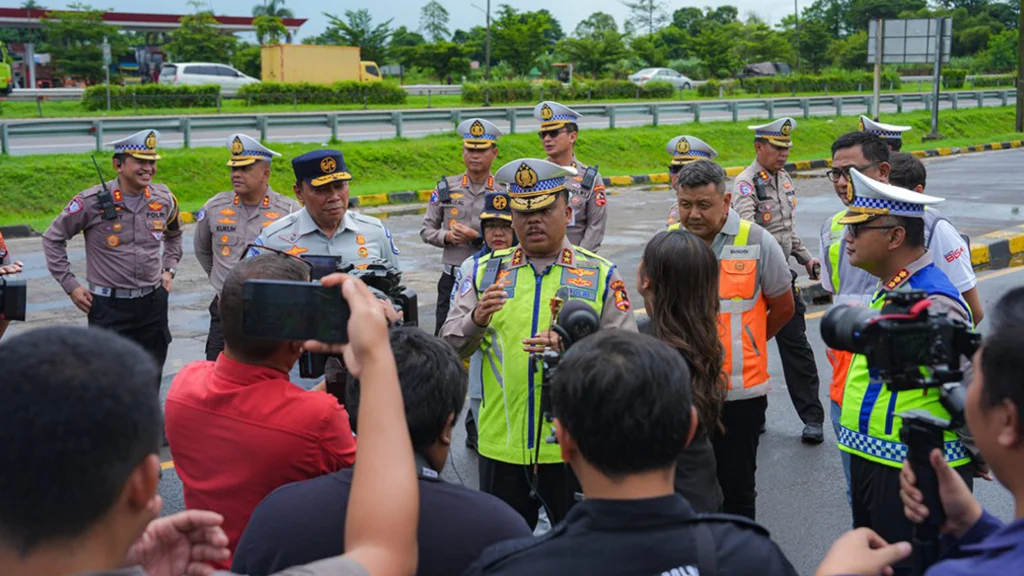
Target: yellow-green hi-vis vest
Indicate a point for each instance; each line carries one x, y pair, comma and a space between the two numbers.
833, 250
870, 425
510, 409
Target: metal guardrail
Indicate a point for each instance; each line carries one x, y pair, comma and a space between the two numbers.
186, 125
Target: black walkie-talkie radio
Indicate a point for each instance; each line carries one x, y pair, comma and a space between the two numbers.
105, 198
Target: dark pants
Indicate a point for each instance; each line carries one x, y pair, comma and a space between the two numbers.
736, 454
555, 483
143, 320
798, 364
444, 296
877, 505
215, 337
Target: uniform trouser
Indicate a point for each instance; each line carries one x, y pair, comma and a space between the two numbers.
877, 504
444, 300
555, 484
736, 454
215, 337
143, 320
798, 364
836, 412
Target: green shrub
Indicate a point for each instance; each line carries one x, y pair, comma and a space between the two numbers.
150, 96
712, 88
836, 82
953, 77
349, 92
524, 91
1001, 81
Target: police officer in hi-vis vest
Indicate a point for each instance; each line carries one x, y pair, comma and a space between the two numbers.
504, 310
756, 302
231, 220
764, 194
126, 223
885, 237
452, 221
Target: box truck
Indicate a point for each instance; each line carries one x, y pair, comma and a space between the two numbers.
315, 64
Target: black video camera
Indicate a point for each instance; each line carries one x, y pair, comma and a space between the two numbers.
384, 281
912, 350
901, 338
13, 299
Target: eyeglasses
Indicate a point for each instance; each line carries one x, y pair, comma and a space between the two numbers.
551, 133
835, 173
256, 249
674, 169
856, 228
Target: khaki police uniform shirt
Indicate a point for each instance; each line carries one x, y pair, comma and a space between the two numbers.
467, 202
776, 213
589, 213
225, 226
359, 239
121, 253
465, 335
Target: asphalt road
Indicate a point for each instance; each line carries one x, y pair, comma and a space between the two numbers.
24, 145
801, 498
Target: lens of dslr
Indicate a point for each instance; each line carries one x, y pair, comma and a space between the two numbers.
843, 326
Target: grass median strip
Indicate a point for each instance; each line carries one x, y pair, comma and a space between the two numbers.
35, 188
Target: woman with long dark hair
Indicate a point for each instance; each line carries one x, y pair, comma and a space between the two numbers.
678, 279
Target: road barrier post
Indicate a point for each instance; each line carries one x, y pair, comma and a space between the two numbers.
654, 114
456, 117
771, 109
610, 110
735, 109
261, 122
838, 101
956, 100
97, 128
1003, 95
511, 115
186, 131
899, 103
332, 121
696, 111
806, 105
396, 119
5, 137
980, 97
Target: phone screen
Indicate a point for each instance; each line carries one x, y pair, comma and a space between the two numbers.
287, 310
322, 265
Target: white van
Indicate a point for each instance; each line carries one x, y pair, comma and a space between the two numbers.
199, 73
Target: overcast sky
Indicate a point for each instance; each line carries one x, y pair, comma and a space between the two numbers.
406, 12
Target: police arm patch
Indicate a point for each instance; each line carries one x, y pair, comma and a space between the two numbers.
391, 239
201, 215
75, 206
745, 189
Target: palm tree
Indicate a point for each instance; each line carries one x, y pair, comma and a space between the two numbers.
273, 8
31, 5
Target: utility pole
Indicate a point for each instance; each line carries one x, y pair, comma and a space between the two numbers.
796, 15
1020, 71
487, 46
879, 34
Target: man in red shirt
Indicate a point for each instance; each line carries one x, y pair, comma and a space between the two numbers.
238, 429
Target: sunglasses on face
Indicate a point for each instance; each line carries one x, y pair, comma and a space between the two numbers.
835, 173
856, 228
551, 133
674, 170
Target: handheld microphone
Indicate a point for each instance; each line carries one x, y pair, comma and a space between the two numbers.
578, 320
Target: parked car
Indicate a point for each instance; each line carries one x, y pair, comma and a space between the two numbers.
765, 69
661, 75
199, 73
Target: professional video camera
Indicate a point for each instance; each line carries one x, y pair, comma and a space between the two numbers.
13, 298
384, 281
912, 349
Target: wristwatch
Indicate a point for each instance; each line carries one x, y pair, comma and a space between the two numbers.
173, 271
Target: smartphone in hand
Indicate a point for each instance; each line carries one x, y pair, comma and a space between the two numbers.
290, 310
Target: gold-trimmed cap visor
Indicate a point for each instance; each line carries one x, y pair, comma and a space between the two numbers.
343, 176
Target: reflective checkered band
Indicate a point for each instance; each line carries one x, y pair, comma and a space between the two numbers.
563, 118
258, 153
892, 451
541, 187
895, 208
700, 153
767, 133
886, 134
484, 136
121, 148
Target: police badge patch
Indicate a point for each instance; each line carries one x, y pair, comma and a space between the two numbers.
745, 189
74, 206
201, 215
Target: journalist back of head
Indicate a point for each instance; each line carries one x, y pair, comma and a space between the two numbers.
623, 414
80, 449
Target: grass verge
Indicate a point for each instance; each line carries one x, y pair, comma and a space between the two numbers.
16, 110
33, 189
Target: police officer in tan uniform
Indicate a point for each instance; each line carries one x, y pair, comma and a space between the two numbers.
452, 221
6, 268
684, 150
126, 222
558, 133
231, 220
764, 194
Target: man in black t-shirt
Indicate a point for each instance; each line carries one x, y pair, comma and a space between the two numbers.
623, 414
305, 521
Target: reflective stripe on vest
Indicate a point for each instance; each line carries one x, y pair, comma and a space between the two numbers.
837, 232
510, 411
743, 319
869, 423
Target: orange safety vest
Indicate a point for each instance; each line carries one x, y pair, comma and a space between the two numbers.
840, 361
743, 318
